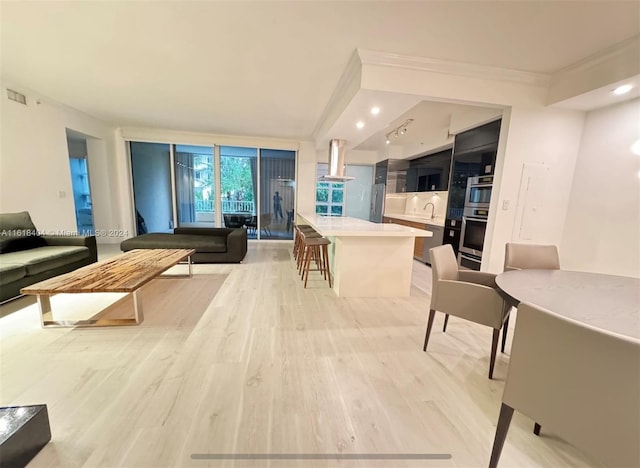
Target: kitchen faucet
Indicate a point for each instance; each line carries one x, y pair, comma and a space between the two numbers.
433, 211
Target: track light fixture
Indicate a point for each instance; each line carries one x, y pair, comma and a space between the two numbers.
397, 131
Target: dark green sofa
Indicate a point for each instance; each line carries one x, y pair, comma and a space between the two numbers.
26, 257
212, 245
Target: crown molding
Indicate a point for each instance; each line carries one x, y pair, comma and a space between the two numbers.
628, 48
388, 59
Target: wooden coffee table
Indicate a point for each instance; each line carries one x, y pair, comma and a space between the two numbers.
125, 273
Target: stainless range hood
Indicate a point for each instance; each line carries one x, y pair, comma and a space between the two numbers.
336, 162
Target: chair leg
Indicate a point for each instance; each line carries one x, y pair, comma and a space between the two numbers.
325, 251
504, 420
505, 326
305, 269
536, 428
446, 320
494, 349
432, 315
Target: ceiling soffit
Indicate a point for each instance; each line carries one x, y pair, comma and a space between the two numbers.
400, 82
371, 72
617, 63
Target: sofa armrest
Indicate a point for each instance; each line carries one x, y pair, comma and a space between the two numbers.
237, 242
84, 241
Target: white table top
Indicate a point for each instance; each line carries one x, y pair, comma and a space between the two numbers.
340, 226
607, 302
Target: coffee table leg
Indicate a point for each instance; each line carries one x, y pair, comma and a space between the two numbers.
44, 303
189, 263
47, 320
137, 307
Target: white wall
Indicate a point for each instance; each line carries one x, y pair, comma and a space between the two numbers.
34, 162
602, 229
549, 139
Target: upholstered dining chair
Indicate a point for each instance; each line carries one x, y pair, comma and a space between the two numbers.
584, 384
467, 294
531, 257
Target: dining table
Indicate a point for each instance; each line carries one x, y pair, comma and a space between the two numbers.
559, 373
608, 302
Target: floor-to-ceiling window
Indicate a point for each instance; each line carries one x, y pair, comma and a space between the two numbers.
255, 189
195, 187
78, 163
152, 193
277, 193
238, 186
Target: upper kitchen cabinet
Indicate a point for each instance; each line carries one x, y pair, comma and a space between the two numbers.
392, 173
429, 173
478, 146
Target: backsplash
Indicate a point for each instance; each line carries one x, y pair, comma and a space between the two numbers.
415, 203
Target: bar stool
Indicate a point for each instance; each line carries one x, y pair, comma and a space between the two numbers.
316, 248
302, 248
297, 240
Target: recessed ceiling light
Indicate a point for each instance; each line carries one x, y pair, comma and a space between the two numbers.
375, 110
360, 124
624, 89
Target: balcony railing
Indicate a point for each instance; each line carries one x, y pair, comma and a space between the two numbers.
228, 206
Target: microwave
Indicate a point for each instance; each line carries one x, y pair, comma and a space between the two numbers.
478, 194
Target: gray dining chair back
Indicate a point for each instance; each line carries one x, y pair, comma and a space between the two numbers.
531, 257
466, 294
583, 384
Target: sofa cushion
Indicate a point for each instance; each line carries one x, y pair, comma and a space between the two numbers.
16, 243
16, 222
10, 272
208, 244
17, 232
44, 258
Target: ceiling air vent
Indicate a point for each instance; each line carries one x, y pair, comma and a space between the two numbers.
16, 96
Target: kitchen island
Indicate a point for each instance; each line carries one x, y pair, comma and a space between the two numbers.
368, 259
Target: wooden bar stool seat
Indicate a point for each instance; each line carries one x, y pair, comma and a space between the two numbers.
298, 238
316, 248
302, 247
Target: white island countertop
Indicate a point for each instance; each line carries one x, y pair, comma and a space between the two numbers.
417, 219
341, 226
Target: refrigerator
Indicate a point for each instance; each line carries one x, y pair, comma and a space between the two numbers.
377, 203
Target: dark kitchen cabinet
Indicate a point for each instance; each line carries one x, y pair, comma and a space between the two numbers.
392, 173
452, 236
429, 173
484, 135
471, 161
474, 154
381, 172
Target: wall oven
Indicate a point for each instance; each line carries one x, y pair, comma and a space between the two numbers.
474, 227
478, 194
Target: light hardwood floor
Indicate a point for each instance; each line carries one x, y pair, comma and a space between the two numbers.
267, 367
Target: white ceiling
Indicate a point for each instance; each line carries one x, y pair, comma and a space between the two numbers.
269, 68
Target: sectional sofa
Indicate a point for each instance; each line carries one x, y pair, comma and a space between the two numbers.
27, 257
212, 245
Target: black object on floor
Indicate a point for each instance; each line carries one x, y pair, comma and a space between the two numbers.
24, 430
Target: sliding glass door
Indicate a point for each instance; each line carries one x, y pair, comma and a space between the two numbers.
152, 194
195, 188
238, 184
177, 184
277, 193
